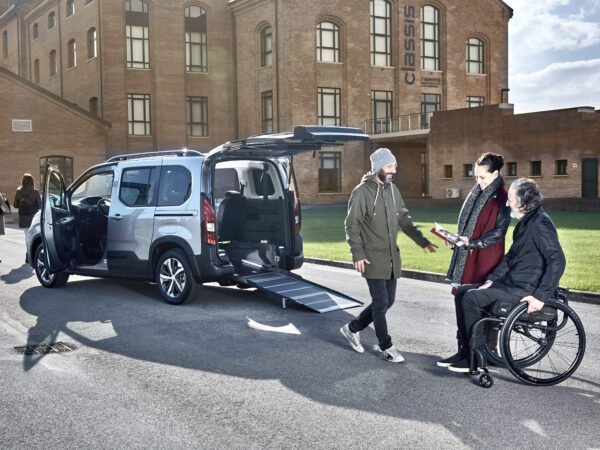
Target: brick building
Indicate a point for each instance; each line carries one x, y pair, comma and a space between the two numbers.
171, 74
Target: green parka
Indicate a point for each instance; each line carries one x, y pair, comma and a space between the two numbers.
375, 211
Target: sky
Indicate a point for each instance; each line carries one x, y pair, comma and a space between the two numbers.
554, 54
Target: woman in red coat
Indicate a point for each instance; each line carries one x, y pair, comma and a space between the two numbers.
482, 224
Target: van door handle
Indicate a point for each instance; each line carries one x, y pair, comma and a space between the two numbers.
117, 217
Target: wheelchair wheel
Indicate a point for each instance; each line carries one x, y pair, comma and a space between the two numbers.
542, 350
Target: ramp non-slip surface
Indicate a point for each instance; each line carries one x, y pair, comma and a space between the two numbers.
301, 291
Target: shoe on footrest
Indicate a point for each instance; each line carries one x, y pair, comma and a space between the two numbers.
452, 359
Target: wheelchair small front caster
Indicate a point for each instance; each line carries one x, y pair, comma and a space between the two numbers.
486, 380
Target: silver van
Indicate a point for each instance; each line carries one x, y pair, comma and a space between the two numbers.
182, 218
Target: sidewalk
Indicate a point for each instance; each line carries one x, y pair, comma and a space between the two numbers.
575, 296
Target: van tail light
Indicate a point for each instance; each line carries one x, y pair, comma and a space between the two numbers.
297, 215
207, 224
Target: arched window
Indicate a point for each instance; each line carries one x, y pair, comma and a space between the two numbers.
195, 39
36, 71
381, 33
266, 47
52, 63
430, 38
4, 44
93, 105
474, 55
51, 20
72, 61
328, 42
70, 7
137, 23
91, 43
36, 31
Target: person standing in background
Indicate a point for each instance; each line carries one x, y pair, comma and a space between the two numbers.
27, 201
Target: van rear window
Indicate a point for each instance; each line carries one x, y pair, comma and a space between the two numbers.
175, 186
263, 185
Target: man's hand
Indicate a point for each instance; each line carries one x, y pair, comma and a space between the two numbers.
431, 247
360, 265
449, 244
464, 239
485, 285
534, 303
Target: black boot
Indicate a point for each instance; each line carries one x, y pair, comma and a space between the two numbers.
463, 352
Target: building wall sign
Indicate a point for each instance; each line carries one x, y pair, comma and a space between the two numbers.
431, 82
409, 31
21, 125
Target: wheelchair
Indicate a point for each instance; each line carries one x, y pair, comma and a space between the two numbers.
541, 348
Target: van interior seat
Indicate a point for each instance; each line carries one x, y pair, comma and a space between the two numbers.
263, 221
229, 215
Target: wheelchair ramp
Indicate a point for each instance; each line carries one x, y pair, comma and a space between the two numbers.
291, 287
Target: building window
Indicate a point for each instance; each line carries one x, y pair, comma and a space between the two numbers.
51, 20
87, 2
72, 62
267, 111
36, 31
70, 7
92, 43
138, 114
381, 34
429, 104
266, 47
473, 102
197, 116
448, 171
52, 61
329, 103
561, 167
430, 38
330, 172
93, 105
328, 42
381, 111
512, 169
536, 169
5, 44
195, 40
137, 22
64, 164
474, 56
468, 170
36, 71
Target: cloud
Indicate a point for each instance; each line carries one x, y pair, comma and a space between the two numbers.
559, 85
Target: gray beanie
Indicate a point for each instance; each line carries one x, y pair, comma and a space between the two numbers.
380, 158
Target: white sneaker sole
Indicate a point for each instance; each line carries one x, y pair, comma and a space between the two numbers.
357, 349
386, 358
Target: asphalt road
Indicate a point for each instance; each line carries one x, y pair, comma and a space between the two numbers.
232, 369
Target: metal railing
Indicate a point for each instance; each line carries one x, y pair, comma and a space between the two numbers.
409, 122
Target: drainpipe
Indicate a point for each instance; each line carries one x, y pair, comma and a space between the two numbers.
277, 59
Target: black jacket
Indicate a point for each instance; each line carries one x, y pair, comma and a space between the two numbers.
535, 261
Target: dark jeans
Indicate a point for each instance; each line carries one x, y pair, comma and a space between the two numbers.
383, 295
468, 301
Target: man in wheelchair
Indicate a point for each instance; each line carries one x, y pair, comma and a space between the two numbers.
529, 272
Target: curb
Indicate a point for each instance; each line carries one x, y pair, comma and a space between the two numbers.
574, 296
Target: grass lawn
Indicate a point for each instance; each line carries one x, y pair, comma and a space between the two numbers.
579, 234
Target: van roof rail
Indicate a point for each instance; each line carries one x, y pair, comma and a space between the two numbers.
153, 154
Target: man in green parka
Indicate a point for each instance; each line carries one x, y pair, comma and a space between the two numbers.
375, 210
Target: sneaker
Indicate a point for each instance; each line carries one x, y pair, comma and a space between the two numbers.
462, 366
353, 338
392, 355
452, 359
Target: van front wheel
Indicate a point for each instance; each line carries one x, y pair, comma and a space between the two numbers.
174, 277
47, 279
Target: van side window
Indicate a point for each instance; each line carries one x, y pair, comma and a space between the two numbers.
258, 178
226, 179
175, 186
138, 187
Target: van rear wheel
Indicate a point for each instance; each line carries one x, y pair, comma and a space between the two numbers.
40, 265
174, 277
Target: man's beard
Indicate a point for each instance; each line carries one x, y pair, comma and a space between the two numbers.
515, 214
383, 176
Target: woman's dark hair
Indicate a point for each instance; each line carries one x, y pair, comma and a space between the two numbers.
27, 180
492, 161
528, 195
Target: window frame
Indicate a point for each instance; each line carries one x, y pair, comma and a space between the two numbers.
336, 157
266, 111
561, 167
474, 101
133, 20
435, 40
153, 183
163, 170
425, 110
51, 20
266, 46
448, 171
35, 31
70, 8
53, 63
468, 170
71, 54
510, 166
376, 36
335, 49
36, 71
481, 53
147, 114
92, 43
191, 101
388, 103
535, 168
191, 45
5, 44
322, 94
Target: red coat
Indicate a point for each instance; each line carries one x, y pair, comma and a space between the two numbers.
481, 262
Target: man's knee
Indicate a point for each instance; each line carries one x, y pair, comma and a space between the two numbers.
471, 299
